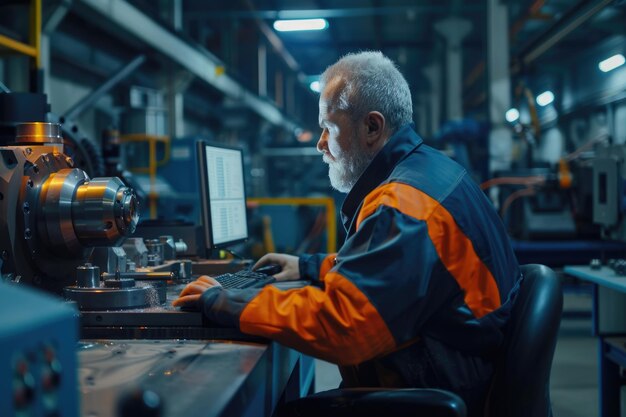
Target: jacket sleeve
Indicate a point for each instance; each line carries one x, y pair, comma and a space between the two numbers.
315, 267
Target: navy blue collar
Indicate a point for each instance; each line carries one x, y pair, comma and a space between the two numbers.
403, 142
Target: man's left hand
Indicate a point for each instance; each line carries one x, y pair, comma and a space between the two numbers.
192, 292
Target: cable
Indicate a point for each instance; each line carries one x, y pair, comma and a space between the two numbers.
524, 192
585, 146
528, 181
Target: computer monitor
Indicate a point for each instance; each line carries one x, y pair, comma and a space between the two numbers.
222, 195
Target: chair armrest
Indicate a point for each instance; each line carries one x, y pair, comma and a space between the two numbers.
377, 402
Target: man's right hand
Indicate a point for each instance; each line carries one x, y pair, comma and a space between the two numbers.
290, 265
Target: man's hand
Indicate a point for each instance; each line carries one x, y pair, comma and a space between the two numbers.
192, 292
289, 264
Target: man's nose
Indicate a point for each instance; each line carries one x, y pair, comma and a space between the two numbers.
322, 143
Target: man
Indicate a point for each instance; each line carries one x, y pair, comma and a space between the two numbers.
419, 292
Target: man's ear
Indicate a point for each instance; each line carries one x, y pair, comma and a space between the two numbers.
375, 122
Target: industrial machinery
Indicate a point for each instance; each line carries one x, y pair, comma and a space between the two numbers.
141, 269
67, 233
38, 349
53, 214
609, 191
570, 213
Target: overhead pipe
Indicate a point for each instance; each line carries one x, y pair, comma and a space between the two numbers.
571, 20
84, 104
197, 61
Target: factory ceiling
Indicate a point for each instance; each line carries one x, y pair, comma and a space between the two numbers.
541, 33
213, 47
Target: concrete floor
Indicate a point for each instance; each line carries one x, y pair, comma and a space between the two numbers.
574, 378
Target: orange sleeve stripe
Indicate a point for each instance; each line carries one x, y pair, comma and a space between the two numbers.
339, 324
327, 265
453, 247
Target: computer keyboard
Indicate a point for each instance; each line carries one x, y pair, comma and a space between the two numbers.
244, 279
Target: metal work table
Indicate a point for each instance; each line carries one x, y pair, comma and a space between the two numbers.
609, 325
195, 368
191, 378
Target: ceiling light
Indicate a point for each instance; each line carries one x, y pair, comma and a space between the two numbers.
315, 86
612, 63
300, 24
545, 98
511, 115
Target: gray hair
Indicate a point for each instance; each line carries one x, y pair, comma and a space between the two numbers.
372, 83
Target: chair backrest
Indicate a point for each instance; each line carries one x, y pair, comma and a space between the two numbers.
521, 384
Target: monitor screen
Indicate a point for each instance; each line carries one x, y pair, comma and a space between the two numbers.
223, 195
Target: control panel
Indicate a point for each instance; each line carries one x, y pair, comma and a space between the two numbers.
38, 365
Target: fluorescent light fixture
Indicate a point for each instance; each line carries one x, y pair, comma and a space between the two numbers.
612, 63
315, 86
300, 24
545, 98
511, 115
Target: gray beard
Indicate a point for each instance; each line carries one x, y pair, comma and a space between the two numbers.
344, 174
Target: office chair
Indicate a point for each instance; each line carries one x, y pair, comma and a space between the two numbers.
520, 386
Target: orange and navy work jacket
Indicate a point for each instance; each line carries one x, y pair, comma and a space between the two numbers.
426, 259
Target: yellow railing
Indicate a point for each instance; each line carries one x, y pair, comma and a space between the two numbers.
327, 202
33, 48
153, 163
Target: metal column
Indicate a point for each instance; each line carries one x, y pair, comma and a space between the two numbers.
177, 81
454, 29
433, 74
499, 85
